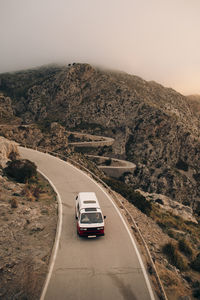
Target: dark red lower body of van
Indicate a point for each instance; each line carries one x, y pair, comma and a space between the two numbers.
83, 231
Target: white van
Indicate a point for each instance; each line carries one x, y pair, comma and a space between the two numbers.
90, 221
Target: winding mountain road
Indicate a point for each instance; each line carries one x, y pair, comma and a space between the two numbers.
107, 267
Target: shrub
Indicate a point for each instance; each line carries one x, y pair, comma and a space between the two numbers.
21, 170
108, 162
185, 247
12, 155
181, 165
174, 257
32, 191
195, 264
197, 176
196, 289
37, 192
14, 203
71, 137
104, 150
160, 201
169, 249
197, 208
196, 293
118, 91
171, 233
140, 202
133, 197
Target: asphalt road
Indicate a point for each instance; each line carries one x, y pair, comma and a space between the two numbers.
89, 269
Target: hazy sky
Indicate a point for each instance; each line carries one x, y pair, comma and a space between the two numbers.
155, 39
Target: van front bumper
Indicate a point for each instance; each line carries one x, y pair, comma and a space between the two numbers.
90, 231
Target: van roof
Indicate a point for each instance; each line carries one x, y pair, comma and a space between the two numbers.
88, 200
87, 196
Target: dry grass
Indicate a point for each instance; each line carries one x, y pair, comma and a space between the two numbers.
174, 286
174, 257
185, 247
27, 235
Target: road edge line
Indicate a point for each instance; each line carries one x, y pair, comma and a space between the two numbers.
56, 241
58, 232
149, 287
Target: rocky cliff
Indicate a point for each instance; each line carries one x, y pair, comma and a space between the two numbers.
153, 126
194, 102
8, 150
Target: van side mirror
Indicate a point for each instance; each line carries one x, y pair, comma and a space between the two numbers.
104, 217
76, 218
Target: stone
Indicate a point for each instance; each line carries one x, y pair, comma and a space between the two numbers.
6, 149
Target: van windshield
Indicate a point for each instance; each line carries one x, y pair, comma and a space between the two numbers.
89, 218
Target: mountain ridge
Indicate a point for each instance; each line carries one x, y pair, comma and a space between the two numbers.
153, 126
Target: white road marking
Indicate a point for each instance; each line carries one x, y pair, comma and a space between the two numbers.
132, 240
59, 226
57, 239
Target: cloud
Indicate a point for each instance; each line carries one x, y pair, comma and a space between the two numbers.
155, 39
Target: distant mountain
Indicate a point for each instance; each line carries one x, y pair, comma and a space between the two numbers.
153, 126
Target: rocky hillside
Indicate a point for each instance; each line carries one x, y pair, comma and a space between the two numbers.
28, 218
8, 150
194, 101
153, 126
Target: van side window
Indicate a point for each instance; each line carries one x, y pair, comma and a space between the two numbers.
78, 209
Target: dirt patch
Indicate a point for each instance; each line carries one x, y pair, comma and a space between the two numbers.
28, 218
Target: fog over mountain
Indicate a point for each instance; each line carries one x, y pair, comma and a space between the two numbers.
157, 40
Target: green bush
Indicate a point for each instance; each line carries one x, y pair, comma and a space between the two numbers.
21, 170
174, 257
181, 165
196, 289
133, 197
108, 162
195, 265
196, 293
197, 176
14, 203
185, 247
169, 249
170, 233
197, 208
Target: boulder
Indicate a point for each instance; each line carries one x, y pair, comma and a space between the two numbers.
176, 208
8, 150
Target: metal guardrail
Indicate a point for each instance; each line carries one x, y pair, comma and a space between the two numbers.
73, 162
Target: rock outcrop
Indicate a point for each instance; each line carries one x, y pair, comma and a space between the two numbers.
8, 150
53, 138
174, 207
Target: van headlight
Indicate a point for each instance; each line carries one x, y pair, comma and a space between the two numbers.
83, 228
99, 228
